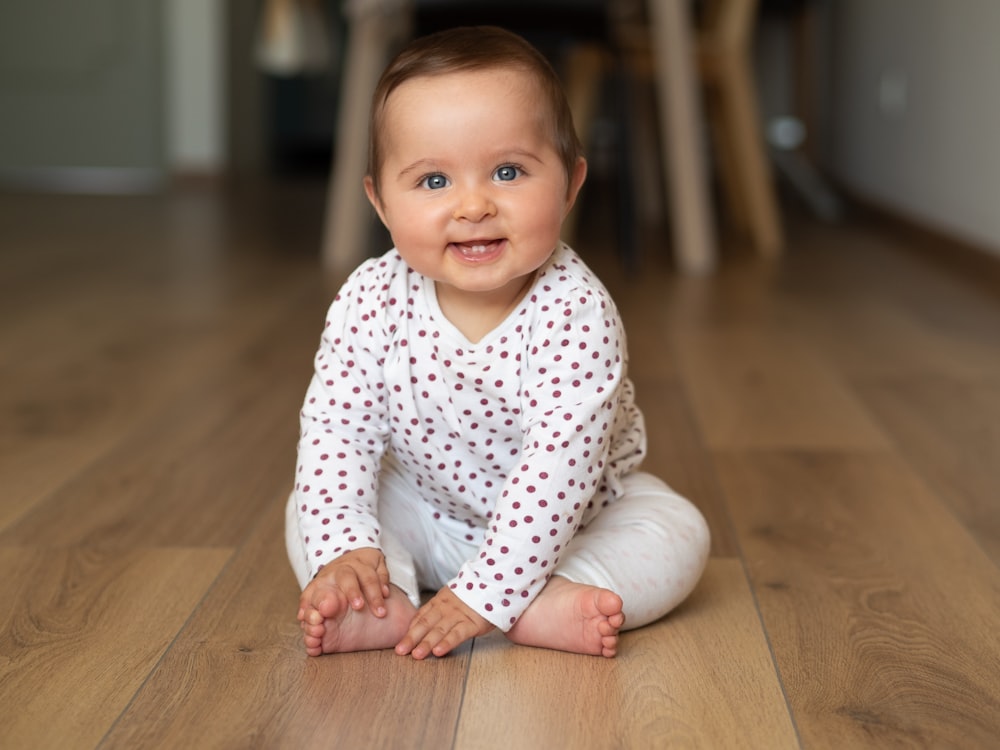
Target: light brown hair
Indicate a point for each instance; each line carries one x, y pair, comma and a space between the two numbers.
467, 49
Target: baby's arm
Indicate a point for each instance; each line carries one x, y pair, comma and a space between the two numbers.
442, 624
571, 393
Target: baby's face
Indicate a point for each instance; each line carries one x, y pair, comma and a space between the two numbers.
472, 189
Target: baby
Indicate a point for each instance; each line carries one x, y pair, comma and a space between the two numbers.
470, 428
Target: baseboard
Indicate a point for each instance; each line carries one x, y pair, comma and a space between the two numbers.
198, 179
82, 180
930, 242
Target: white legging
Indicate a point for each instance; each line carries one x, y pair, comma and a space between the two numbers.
650, 547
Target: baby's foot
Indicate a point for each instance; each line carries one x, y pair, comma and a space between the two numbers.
331, 625
569, 616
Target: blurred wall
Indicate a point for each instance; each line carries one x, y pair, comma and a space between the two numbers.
195, 42
81, 94
915, 110
110, 95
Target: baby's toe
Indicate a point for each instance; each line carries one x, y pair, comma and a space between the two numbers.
315, 631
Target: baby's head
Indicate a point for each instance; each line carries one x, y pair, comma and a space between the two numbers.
472, 49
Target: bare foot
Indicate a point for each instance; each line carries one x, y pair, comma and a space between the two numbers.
569, 616
332, 626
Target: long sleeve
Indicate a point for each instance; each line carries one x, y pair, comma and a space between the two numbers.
343, 432
570, 396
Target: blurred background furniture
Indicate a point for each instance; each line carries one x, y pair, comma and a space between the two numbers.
676, 57
725, 67
792, 38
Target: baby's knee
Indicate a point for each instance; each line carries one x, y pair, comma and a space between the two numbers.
699, 536
693, 521
673, 518
686, 531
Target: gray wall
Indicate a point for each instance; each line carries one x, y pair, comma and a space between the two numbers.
110, 94
914, 110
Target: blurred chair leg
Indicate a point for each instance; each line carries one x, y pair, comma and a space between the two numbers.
751, 155
627, 158
724, 59
348, 218
726, 166
684, 167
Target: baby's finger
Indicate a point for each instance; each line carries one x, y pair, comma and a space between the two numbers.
441, 639
374, 594
459, 634
349, 585
421, 624
383, 576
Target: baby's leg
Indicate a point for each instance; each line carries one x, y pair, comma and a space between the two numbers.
634, 563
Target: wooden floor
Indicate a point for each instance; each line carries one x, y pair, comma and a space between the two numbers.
836, 416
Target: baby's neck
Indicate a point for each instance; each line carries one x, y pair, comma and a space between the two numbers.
476, 314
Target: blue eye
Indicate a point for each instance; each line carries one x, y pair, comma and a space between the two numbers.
434, 181
506, 173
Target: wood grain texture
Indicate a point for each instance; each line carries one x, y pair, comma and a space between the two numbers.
678, 456
880, 339
189, 443
237, 676
753, 388
881, 609
108, 346
82, 629
834, 415
949, 430
701, 677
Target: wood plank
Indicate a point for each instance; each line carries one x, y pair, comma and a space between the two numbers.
81, 629
753, 387
649, 353
215, 452
880, 608
701, 677
879, 338
949, 430
114, 312
237, 676
678, 457
154, 353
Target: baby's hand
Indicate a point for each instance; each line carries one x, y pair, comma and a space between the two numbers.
359, 576
442, 624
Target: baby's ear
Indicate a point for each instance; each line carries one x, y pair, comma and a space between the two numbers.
373, 197
576, 180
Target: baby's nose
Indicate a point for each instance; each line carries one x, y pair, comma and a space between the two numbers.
474, 204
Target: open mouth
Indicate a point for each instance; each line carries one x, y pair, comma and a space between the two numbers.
478, 251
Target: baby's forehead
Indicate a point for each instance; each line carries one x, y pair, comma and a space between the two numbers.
501, 79
519, 87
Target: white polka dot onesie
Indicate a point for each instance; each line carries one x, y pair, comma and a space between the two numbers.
517, 440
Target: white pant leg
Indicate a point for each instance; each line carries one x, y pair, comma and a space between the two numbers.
399, 562
437, 546
420, 551
650, 547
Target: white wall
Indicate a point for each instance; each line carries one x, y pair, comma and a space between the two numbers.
915, 110
195, 91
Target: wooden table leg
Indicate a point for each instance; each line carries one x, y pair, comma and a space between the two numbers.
680, 109
348, 215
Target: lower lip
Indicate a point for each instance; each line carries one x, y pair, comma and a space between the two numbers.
490, 251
